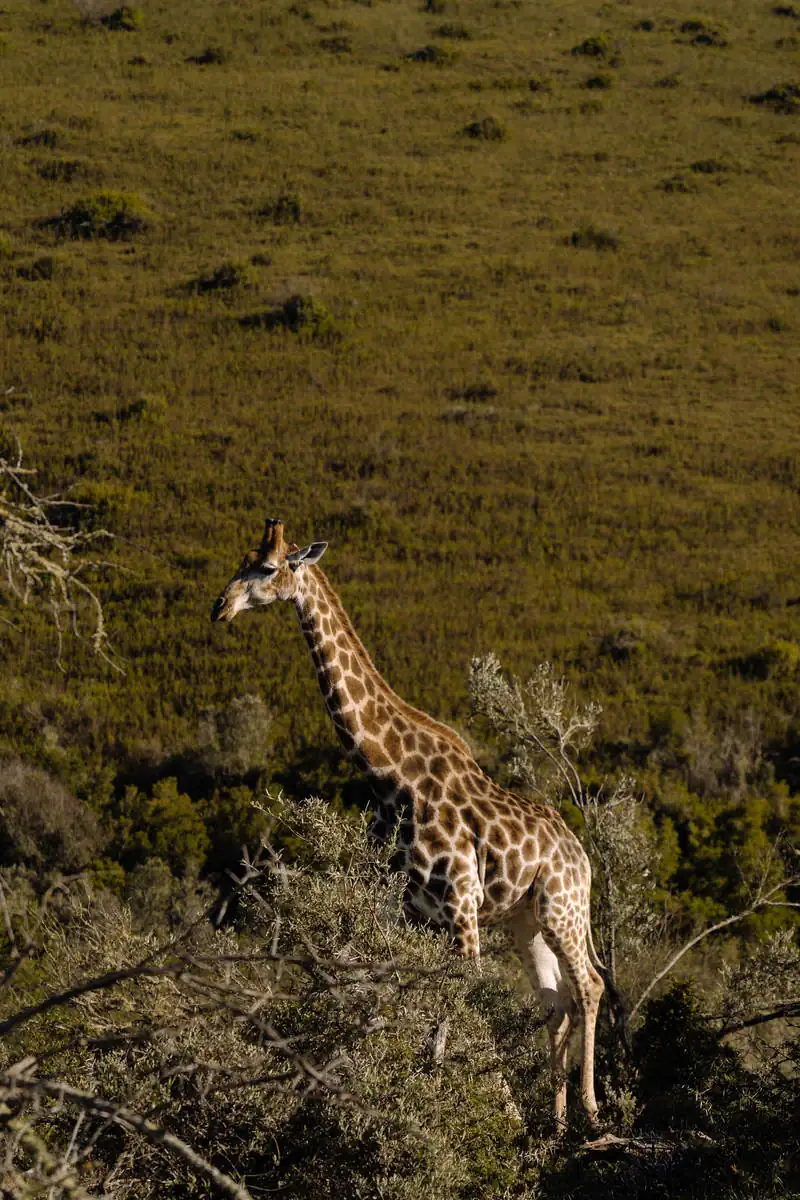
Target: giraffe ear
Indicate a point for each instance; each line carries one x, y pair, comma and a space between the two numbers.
308, 555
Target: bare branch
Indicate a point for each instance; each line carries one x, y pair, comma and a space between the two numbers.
38, 557
14, 1084
762, 900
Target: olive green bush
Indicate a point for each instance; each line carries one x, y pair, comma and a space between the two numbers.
292, 1049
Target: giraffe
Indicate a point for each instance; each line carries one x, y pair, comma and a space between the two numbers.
474, 854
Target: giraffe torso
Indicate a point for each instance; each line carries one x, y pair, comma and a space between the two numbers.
465, 843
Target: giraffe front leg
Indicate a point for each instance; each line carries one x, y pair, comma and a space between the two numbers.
464, 928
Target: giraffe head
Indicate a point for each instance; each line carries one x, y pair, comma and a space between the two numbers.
266, 574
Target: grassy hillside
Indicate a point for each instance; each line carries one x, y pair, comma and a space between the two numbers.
540, 394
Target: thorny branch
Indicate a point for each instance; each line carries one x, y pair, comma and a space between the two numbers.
40, 557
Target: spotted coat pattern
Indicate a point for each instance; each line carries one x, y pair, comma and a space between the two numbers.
473, 853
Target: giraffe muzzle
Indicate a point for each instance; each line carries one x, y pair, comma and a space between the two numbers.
218, 612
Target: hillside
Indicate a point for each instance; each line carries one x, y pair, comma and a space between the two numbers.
539, 389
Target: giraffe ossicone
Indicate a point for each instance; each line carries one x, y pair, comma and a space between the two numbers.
473, 853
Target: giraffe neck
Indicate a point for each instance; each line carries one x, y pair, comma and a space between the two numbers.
370, 719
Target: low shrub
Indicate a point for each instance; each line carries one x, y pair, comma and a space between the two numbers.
678, 184
601, 82
701, 33
339, 44
228, 275
781, 97
44, 268
438, 56
487, 129
212, 56
591, 237
43, 136
454, 30
126, 18
300, 314
42, 825
593, 47
286, 209
708, 166
63, 170
116, 216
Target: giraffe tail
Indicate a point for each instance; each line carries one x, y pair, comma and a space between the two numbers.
616, 1005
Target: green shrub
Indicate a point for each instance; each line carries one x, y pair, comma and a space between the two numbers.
125, 18
593, 47
779, 659
149, 408
488, 129
454, 30
63, 170
540, 83
44, 268
678, 183
708, 166
116, 216
438, 56
6, 246
286, 209
223, 278
782, 97
668, 81
300, 314
590, 237
43, 136
212, 56
167, 824
339, 44
603, 81
701, 33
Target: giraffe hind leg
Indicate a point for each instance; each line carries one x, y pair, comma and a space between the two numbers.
587, 989
552, 987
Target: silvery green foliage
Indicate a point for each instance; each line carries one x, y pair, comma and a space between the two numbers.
546, 730
234, 738
539, 719
763, 980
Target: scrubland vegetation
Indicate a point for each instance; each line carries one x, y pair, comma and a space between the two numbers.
503, 301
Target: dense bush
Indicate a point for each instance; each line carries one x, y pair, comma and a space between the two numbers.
326, 1085
488, 129
117, 216
126, 18
41, 824
319, 1045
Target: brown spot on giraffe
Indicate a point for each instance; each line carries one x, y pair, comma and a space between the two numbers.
480, 855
